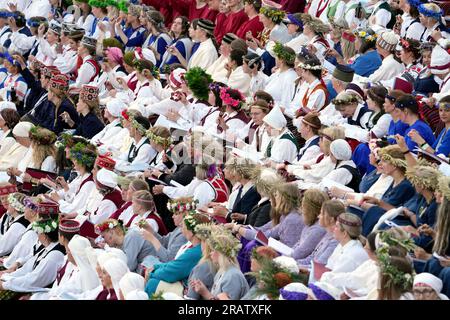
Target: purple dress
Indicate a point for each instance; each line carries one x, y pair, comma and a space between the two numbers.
322, 251
311, 236
288, 231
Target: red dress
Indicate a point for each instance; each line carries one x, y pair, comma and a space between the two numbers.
219, 30
253, 25
221, 193
234, 21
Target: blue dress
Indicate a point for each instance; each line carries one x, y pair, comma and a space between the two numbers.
425, 132
361, 158
368, 181
175, 270
136, 37
89, 126
395, 196
398, 127
367, 63
442, 143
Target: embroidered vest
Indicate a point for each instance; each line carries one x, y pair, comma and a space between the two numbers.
22, 221
314, 142
220, 188
308, 94
361, 113
41, 255
289, 136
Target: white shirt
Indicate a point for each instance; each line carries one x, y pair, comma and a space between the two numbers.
152, 222
4, 35
258, 82
77, 202
66, 62
315, 100
348, 257
104, 210
205, 55
198, 189
283, 149
145, 154
28, 279
382, 16
85, 73
37, 8
11, 237
411, 29
217, 69
111, 136
21, 42
23, 250
310, 152
86, 23
389, 69
46, 52
281, 86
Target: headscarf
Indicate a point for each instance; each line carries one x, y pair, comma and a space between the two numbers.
131, 282
115, 54
88, 275
116, 268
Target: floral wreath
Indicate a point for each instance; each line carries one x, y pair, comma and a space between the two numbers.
215, 241
283, 54
139, 127
176, 205
339, 102
396, 276
203, 231
45, 226
429, 181
429, 13
275, 15
444, 186
158, 139
107, 225
191, 222
16, 204
365, 35
79, 154
309, 67
228, 100
40, 137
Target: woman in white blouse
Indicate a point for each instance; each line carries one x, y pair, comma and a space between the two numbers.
8, 120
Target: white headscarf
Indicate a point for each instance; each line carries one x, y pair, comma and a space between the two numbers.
88, 275
275, 118
131, 281
137, 295
429, 280
341, 150
116, 268
115, 107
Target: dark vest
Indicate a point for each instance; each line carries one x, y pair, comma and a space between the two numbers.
356, 177
133, 152
314, 142
361, 113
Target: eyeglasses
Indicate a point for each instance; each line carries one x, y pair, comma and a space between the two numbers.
423, 291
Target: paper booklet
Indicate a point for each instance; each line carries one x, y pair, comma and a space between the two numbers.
280, 247
431, 156
128, 167
163, 121
328, 183
261, 238
157, 181
254, 156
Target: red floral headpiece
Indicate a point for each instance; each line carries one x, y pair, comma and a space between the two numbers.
228, 100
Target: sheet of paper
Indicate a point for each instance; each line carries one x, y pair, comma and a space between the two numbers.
254, 156
4, 177
280, 247
163, 121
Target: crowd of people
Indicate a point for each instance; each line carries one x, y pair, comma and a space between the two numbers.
224, 150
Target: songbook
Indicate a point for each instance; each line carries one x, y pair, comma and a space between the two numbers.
430, 156
157, 181
261, 238
319, 269
254, 156
131, 167
163, 121
280, 247
37, 174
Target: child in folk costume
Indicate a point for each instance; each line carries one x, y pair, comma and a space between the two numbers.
66, 62
315, 30
218, 69
144, 208
112, 135
87, 67
160, 140
17, 224
47, 48
281, 83
283, 146
229, 282
41, 269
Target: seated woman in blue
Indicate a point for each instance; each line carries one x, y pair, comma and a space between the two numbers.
181, 44
442, 143
396, 126
425, 180
89, 122
177, 271
393, 164
229, 282
158, 39
131, 33
409, 114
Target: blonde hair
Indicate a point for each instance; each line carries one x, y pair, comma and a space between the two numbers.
334, 133
287, 201
138, 185
333, 208
311, 204
41, 152
145, 199
354, 232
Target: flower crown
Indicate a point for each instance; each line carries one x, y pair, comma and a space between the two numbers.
191, 221
365, 35
181, 206
45, 226
107, 225
139, 127
429, 179
394, 161
229, 248
275, 15
79, 154
309, 67
283, 54
203, 231
228, 100
350, 100
444, 186
158, 139
16, 204
42, 135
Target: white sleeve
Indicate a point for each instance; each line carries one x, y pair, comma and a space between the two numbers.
38, 278
382, 126
11, 238
49, 164
85, 73
79, 202
340, 175
145, 155
47, 49
285, 150
104, 210
310, 154
382, 17
185, 191
316, 100
204, 193
22, 42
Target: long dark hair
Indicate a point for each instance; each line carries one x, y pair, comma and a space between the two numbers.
378, 94
184, 28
